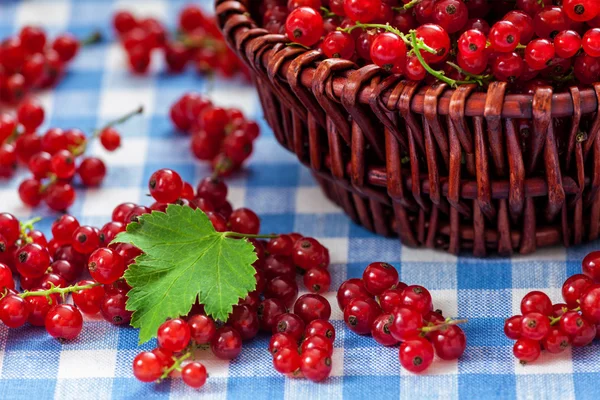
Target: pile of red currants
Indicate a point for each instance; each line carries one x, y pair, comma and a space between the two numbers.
394, 313
555, 327
219, 135
28, 61
55, 158
198, 42
454, 41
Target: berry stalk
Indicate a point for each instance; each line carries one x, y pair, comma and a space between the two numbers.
407, 6
58, 290
93, 38
448, 322
176, 365
556, 320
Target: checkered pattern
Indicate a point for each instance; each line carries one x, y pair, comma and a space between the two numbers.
98, 364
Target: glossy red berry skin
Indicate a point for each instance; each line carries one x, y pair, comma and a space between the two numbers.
573, 287
66, 45
121, 212
309, 253
362, 10
106, 265
556, 341
380, 330
60, 196
165, 185
590, 304
92, 171
379, 277
164, 356
539, 53
9, 228
338, 44
585, 336
268, 312
30, 114
317, 342
226, 344
38, 307
536, 301
388, 51
63, 164
6, 278
359, 315
523, 22
88, 300
320, 327
407, 323
452, 15
290, 324
591, 266
13, 311
244, 220
147, 367
449, 342
282, 245
174, 335
417, 298
245, 321
526, 350
282, 340
283, 289
317, 280
304, 25
315, 365
312, 306
110, 139
512, 327
437, 38
504, 37
113, 308
286, 360
32, 260
351, 289
535, 326
567, 44
194, 375
64, 321
416, 355
202, 328
85, 240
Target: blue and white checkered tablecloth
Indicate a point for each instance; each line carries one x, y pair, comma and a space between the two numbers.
98, 87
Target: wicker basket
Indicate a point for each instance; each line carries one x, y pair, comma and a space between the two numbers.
440, 168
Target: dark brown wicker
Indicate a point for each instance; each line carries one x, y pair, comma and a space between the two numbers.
441, 168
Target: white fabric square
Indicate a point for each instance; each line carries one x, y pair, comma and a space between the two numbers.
87, 363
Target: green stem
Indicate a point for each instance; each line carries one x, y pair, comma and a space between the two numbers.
176, 365
407, 6
445, 324
476, 78
93, 38
120, 120
58, 290
391, 29
555, 320
327, 13
28, 226
248, 236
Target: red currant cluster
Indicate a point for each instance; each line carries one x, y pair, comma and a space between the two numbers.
555, 327
401, 314
455, 41
51, 157
48, 269
219, 135
28, 61
199, 42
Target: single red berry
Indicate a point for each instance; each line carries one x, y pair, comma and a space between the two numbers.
202, 328
585, 336
85, 239
556, 341
226, 344
194, 375
66, 45
30, 114
317, 280
278, 266
290, 324
449, 342
304, 25
591, 266
39, 306
110, 139
380, 330
407, 323
286, 360
549, 21
30, 192
362, 10
378, 277
536, 301
92, 171
282, 288
320, 327
268, 312
317, 342
147, 367
338, 44
418, 298
527, 350
213, 189
6, 277
10, 229
121, 212
109, 231
573, 287
435, 37
309, 253
312, 306
164, 356
512, 327
113, 308
106, 265
351, 289
416, 355
63, 228
64, 321
32, 260
567, 44
244, 220
63, 164
88, 300
359, 315
165, 185
315, 365
590, 304
174, 335
13, 311
452, 15
59, 196
282, 340
245, 321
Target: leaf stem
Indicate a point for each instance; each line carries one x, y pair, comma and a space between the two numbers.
92, 38
176, 365
237, 235
58, 290
555, 320
28, 226
443, 325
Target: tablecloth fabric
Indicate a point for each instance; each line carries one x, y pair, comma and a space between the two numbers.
98, 87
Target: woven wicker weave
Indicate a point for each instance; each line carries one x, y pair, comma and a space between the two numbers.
440, 168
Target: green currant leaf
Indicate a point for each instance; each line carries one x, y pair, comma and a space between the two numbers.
184, 259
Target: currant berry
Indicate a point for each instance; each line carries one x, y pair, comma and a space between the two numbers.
591, 265
121, 212
268, 312
320, 327
283, 289
359, 315
449, 342
388, 51
567, 44
536, 302
88, 300
349, 290
585, 336
523, 22
309, 253
573, 287
64, 321
110, 139
39, 306
10, 228
226, 344
378, 277
174, 335
416, 355
113, 308
30, 114
435, 37
245, 321
85, 239
407, 323
548, 22
504, 37
556, 341
380, 330
6, 278
304, 25
362, 10
147, 367
244, 220
202, 328
317, 342
315, 365
13, 311
60, 196
165, 185
63, 164
92, 171
290, 324
472, 43
317, 280
32, 260
286, 360
282, 245
590, 304
106, 265
580, 10
194, 375
164, 356
282, 340
512, 327
338, 44
452, 15
312, 306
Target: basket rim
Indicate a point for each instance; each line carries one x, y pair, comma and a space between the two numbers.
514, 105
